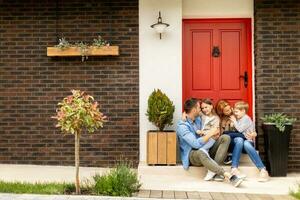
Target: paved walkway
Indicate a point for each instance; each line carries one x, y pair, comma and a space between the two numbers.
168, 187
153, 194
208, 195
155, 178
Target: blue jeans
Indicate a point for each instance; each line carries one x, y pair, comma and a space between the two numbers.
240, 144
234, 134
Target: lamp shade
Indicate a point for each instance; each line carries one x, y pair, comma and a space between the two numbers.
159, 26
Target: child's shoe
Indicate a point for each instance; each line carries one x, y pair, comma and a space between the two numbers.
219, 178
263, 175
228, 159
209, 176
236, 181
236, 171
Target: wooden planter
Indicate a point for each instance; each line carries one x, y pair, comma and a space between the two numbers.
161, 148
92, 51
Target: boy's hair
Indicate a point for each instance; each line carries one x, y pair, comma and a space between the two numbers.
190, 104
241, 105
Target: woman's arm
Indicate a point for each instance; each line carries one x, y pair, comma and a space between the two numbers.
251, 136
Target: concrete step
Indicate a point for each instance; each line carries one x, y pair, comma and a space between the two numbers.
195, 172
175, 178
244, 160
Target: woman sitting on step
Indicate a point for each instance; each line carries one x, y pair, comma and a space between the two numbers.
239, 126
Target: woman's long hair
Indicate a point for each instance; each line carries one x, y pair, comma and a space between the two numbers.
221, 104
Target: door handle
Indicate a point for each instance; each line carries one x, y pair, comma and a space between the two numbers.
245, 77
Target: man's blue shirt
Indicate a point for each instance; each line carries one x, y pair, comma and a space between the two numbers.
188, 138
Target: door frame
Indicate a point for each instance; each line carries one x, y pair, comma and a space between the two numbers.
248, 24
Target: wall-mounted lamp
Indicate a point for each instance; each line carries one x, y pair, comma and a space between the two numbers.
159, 26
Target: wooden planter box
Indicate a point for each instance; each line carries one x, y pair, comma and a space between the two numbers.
161, 148
92, 51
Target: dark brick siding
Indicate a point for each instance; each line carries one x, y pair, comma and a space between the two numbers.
277, 68
31, 83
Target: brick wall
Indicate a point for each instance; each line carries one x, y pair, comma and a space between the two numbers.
31, 83
277, 70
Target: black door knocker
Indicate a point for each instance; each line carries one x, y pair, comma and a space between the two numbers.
216, 51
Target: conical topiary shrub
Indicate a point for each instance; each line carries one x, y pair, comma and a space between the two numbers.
160, 109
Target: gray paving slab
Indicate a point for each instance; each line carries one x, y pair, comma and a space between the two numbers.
168, 194
241, 196
217, 196
144, 194
155, 194
205, 195
229, 196
193, 195
180, 195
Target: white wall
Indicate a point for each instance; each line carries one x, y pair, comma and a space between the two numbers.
160, 63
217, 8
160, 60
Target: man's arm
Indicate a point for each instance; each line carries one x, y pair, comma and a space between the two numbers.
191, 139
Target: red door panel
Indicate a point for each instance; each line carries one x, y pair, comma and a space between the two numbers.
202, 70
230, 61
206, 76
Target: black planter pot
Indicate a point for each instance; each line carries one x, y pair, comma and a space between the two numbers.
276, 148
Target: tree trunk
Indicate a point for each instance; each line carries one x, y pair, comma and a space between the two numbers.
77, 182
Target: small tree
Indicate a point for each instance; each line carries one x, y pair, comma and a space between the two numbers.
160, 109
75, 114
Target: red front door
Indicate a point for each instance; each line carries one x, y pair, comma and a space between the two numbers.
217, 60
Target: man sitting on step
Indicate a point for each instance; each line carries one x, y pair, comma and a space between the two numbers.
191, 143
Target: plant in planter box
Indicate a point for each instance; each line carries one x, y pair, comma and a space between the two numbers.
161, 145
277, 129
160, 109
76, 114
63, 44
99, 47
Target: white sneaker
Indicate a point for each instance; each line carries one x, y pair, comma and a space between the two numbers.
263, 176
209, 176
236, 171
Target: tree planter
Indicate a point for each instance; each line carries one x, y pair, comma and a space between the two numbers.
161, 148
91, 51
276, 148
